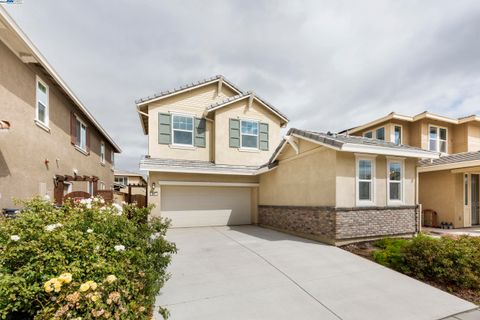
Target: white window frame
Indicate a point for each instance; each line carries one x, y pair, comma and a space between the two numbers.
102, 152
102, 185
248, 134
373, 184
192, 131
112, 158
45, 123
90, 187
392, 137
124, 179
365, 134
401, 161
437, 144
86, 133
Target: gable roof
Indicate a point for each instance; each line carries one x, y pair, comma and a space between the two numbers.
28, 53
346, 143
243, 96
420, 116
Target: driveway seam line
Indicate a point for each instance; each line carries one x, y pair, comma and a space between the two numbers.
279, 270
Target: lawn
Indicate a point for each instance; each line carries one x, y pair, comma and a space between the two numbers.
451, 264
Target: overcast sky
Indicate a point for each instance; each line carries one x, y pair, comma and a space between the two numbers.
328, 65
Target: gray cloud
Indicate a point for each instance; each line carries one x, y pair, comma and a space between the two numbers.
329, 65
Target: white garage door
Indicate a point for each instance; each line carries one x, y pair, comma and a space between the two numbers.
190, 206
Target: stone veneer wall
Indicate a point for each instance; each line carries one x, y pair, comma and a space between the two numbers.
337, 225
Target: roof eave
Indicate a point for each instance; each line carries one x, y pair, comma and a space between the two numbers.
351, 147
449, 166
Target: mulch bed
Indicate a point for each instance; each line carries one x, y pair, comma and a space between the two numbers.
366, 249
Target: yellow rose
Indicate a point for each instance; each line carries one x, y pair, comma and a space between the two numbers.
92, 284
111, 278
57, 285
94, 298
84, 287
65, 277
48, 286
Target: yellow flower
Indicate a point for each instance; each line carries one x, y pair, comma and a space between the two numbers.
111, 278
57, 285
94, 298
52, 284
48, 286
92, 284
84, 287
65, 277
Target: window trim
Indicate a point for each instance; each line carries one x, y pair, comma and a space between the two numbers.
373, 184
124, 178
90, 188
384, 133
45, 124
365, 134
191, 145
78, 147
252, 135
402, 181
392, 137
438, 138
466, 189
102, 152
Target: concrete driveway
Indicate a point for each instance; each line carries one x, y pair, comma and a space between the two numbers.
254, 273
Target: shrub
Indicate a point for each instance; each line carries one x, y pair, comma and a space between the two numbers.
85, 259
446, 260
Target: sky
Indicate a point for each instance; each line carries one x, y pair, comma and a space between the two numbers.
327, 65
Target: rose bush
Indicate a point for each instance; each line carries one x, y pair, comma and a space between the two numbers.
85, 260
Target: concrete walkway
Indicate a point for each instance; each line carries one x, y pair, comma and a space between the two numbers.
254, 273
473, 231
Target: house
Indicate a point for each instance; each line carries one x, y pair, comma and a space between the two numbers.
208, 142
50, 143
338, 189
216, 158
448, 185
123, 178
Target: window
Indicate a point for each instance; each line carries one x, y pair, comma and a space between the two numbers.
395, 180
81, 135
380, 133
121, 180
90, 187
42, 102
112, 158
249, 134
102, 185
397, 134
365, 181
465, 194
368, 134
182, 130
437, 139
102, 152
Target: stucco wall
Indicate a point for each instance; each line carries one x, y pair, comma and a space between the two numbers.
26, 146
239, 110
192, 103
304, 180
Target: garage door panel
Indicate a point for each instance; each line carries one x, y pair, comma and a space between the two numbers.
206, 206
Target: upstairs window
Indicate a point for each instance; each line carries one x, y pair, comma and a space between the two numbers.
42, 112
102, 152
368, 134
397, 134
81, 135
380, 133
182, 130
437, 139
249, 134
121, 180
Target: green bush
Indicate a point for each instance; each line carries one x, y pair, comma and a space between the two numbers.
84, 260
446, 260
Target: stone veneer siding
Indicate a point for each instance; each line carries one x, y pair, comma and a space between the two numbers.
340, 225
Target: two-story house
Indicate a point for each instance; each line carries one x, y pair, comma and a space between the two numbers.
207, 144
51, 144
215, 157
448, 185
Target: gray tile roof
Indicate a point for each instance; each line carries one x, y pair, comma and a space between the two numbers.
450, 159
338, 140
243, 95
161, 164
187, 86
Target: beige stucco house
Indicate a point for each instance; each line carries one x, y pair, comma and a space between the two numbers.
216, 157
50, 144
448, 185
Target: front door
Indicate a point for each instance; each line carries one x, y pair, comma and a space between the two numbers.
475, 199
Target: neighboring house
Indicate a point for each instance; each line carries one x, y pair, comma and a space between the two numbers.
450, 184
207, 144
124, 178
52, 145
213, 160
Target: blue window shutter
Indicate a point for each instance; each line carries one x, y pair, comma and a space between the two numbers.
263, 145
234, 133
164, 128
